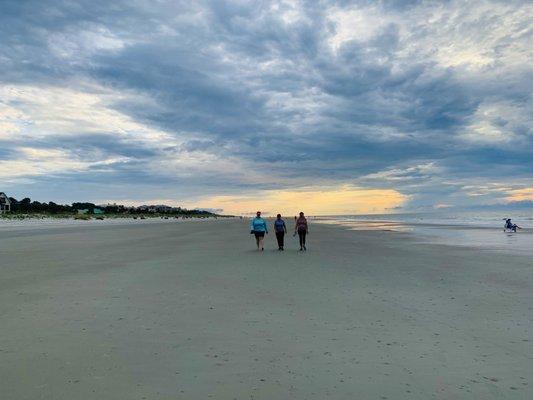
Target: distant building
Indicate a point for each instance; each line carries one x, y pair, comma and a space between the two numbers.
84, 211
98, 211
5, 203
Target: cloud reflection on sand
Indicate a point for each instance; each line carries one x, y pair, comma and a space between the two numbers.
483, 233
377, 225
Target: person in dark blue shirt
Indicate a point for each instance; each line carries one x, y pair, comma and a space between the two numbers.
281, 230
510, 226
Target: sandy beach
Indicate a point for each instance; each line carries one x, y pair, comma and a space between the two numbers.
189, 310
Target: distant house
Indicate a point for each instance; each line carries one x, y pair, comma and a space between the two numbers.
98, 211
5, 204
83, 211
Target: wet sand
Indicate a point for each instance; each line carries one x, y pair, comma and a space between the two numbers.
189, 310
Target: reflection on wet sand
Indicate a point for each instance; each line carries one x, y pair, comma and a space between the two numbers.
393, 226
478, 236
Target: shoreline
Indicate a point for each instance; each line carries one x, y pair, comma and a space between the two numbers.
476, 237
481, 238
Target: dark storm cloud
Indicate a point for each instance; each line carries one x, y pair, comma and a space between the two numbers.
288, 89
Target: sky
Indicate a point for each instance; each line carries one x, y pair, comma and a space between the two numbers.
331, 107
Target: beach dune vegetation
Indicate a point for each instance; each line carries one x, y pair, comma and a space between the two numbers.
26, 208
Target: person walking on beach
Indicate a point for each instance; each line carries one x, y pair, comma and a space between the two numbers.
258, 227
303, 229
281, 230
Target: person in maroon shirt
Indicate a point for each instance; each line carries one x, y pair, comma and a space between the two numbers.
301, 227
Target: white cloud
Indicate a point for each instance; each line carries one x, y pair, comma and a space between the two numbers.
34, 162
41, 111
358, 24
470, 35
416, 172
35, 113
289, 11
499, 123
11, 120
76, 46
481, 34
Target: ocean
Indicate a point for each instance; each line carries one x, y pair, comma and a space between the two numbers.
483, 230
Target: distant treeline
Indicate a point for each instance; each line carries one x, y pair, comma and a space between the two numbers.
34, 207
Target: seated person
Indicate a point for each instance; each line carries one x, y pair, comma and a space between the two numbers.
509, 225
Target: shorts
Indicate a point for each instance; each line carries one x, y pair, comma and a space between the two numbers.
259, 234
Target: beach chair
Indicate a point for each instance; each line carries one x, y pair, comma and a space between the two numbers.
509, 226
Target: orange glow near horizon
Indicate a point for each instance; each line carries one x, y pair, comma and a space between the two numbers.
525, 194
338, 201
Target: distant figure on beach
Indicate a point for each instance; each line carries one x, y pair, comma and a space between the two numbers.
302, 229
281, 229
509, 225
258, 227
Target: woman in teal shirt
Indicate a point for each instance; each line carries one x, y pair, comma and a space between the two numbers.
258, 227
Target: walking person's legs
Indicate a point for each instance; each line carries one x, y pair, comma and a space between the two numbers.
261, 239
279, 237
301, 237
304, 234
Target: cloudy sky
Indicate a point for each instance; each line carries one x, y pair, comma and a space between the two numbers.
328, 106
